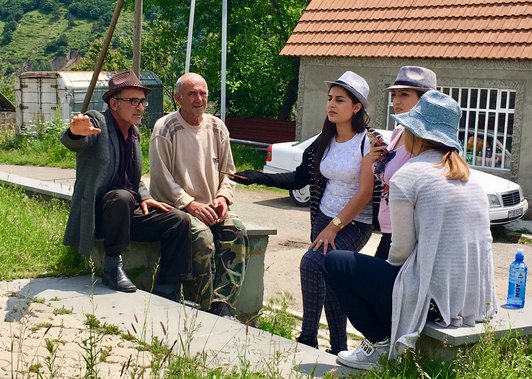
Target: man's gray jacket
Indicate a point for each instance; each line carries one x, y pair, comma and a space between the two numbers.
97, 158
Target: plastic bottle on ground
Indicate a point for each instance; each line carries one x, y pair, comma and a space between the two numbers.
517, 281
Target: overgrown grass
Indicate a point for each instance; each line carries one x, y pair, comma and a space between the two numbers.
275, 317
41, 148
247, 158
31, 237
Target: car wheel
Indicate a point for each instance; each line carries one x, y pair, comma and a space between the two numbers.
300, 197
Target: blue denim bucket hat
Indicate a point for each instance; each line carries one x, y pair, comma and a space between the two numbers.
435, 117
355, 84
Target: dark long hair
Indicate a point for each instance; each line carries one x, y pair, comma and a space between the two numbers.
359, 124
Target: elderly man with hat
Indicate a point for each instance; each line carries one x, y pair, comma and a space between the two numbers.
111, 202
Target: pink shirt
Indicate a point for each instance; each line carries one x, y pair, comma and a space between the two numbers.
401, 156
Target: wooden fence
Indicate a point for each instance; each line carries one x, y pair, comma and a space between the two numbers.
261, 130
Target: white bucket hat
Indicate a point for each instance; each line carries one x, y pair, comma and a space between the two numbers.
355, 84
435, 117
414, 77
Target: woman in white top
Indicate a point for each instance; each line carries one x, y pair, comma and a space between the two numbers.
440, 257
341, 187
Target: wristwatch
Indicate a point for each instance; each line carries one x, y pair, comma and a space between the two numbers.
338, 223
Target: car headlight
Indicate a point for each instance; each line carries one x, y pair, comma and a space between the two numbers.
521, 197
494, 201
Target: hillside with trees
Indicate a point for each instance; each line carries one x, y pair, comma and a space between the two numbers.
260, 83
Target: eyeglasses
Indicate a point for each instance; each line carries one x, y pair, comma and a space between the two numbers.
381, 164
135, 101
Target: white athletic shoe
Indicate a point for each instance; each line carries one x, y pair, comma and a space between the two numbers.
366, 356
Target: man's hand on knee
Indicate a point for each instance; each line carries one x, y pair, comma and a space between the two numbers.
151, 203
219, 205
203, 211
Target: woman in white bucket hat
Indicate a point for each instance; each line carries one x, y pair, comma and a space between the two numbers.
340, 194
440, 265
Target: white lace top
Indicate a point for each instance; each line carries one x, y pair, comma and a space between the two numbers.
341, 166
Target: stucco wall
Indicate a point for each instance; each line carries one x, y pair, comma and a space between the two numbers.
379, 73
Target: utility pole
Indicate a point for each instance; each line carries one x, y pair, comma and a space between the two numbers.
224, 60
101, 57
137, 37
190, 34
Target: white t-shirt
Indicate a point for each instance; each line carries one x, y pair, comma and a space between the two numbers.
341, 166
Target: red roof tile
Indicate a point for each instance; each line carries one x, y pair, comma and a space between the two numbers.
470, 29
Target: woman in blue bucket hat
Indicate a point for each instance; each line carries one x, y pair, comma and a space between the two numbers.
440, 265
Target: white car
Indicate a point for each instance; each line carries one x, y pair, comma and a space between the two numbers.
506, 199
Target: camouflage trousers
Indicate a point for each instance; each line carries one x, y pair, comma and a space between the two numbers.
219, 256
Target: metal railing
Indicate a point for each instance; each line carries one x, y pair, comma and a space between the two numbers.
256, 145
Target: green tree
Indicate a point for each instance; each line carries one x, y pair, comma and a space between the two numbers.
7, 35
59, 46
7, 86
260, 83
115, 60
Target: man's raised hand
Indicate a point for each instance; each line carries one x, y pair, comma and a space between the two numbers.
81, 125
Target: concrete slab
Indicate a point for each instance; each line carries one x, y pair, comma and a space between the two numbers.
51, 174
145, 316
506, 319
41, 187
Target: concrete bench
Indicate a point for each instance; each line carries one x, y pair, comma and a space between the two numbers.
140, 262
443, 343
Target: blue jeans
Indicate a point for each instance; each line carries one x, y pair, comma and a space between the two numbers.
363, 285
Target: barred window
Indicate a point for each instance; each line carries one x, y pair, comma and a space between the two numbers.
486, 126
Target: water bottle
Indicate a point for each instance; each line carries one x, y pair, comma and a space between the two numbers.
517, 281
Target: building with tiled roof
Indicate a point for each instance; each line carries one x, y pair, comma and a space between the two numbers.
481, 51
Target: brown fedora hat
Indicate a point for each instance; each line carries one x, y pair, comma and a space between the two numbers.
121, 80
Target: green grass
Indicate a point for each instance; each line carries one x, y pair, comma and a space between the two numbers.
247, 158
31, 237
275, 317
40, 149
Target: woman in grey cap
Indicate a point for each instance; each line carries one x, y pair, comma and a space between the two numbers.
341, 188
440, 264
411, 83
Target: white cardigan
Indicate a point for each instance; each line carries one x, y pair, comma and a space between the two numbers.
442, 239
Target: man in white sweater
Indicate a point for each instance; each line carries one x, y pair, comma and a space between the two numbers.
189, 153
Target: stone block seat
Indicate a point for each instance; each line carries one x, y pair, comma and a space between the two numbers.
141, 260
443, 343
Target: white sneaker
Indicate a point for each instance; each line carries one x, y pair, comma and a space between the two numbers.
366, 356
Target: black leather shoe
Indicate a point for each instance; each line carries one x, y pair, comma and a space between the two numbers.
221, 309
118, 280
175, 296
170, 295
312, 342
